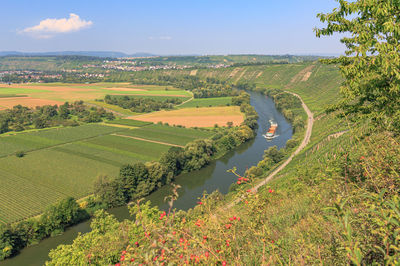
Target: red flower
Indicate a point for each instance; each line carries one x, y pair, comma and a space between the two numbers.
118, 264
200, 203
181, 256
207, 254
271, 190
362, 158
137, 243
249, 190
224, 263
227, 243
272, 241
162, 215
122, 258
132, 260
124, 252
238, 182
204, 237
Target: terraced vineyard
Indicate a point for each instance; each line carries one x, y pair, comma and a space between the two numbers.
65, 162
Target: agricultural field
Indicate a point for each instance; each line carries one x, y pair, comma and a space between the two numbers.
38, 94
196, 117
128, 123
63, 162
207, 102
173, 135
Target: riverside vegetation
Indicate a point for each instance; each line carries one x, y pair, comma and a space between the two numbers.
337, 202
134, 181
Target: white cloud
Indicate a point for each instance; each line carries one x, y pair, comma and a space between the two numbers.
49, 27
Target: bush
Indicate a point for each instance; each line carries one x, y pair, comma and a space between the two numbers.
20, 154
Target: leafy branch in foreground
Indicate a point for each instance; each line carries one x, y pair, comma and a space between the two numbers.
371, 67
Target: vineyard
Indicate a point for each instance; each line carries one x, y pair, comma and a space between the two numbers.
62, 162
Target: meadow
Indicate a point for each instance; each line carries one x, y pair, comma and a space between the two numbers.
63, 162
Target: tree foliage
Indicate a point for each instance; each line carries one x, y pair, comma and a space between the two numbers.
371, 67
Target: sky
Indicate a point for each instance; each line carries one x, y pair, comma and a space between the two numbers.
166, 27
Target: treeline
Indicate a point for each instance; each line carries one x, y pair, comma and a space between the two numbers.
53, 221
20, 118
289, 105
141, 104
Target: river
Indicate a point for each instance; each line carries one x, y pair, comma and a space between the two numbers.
210, 178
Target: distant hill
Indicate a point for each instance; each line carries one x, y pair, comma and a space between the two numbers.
80, 53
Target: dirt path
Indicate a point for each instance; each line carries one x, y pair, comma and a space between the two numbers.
303, 144
153, 141
191, 99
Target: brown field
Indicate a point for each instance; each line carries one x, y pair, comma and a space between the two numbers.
39, 94
196, 117
26, 101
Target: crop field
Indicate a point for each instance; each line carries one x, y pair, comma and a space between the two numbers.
63, 162
207, 102
172, 135
38, 94
196, 117
129, 122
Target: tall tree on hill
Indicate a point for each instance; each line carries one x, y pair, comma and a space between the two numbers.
371, 67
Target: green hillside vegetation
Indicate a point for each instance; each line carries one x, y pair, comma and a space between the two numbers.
336, 203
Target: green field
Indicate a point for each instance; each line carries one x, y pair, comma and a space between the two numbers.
207, 102
173, 135
129, 122
63, 162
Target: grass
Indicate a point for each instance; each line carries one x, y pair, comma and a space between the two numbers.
171, 135
208, 102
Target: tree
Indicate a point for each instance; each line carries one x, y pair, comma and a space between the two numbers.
109, 191
371, 67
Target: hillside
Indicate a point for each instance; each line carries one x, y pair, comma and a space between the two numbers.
318, 209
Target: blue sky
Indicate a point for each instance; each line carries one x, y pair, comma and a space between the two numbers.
166, 26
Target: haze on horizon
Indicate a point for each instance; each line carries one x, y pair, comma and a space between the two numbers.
161, 27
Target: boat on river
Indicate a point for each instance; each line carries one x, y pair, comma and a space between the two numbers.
271, 131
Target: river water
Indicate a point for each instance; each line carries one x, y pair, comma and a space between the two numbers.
210, 178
